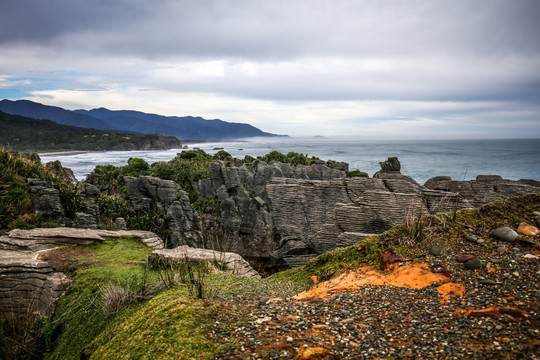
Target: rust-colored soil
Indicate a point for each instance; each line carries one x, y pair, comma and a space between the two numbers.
414, 276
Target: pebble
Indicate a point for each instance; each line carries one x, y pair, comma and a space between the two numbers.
473, 264
495, 261
536, 213
480, 241
436, 250
465, 257
471, 238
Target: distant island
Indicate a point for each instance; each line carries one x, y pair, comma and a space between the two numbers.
26, 134
185, 127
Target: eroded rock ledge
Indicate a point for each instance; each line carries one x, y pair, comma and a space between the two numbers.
228, 262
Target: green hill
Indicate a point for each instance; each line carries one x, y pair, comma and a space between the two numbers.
25, 134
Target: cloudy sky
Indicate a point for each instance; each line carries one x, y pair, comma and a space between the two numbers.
370, 69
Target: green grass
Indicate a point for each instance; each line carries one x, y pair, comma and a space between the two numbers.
79, 317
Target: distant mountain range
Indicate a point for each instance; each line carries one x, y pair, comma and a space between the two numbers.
185, 127
26, 134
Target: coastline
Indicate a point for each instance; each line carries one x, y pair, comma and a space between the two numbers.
69, 152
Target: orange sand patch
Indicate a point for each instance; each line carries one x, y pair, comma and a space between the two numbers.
451, 289
415, 276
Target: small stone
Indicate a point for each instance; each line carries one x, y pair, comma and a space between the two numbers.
465, 257
480, 241
536, 213
290, 339
311, 353
487, 282
471, 238
530, 256
515, 273
495, 261
436, 250
504, 234
528, 230
473, 264
264, 300
526, 241
347, 321
501, 249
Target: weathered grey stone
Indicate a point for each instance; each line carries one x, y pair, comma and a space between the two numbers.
504, 234
28, 285
40, 238
391, 164
473, 264
120, 223
45, 199
436, 250
234, 263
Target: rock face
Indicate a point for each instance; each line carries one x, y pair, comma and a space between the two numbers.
28, 284
232, 263
148, 193
45, 199
282, 214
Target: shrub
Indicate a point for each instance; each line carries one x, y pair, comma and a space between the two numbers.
357, 173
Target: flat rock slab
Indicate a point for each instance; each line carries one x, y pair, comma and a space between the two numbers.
235, 264
47, 238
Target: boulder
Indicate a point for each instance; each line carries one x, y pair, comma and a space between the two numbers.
504, 234
46, 199
390, 165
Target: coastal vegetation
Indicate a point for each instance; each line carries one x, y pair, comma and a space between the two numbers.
15, 204
21, 133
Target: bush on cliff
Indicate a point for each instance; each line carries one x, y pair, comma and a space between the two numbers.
15, 204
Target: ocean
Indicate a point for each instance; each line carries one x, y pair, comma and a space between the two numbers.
421, 159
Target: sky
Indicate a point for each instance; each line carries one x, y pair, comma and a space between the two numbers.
459, 69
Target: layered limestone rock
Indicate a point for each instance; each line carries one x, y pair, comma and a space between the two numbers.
276, 213
42, 239
28, 285
226, 261
486, 188
147, 193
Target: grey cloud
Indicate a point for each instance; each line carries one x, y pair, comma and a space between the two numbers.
276, 29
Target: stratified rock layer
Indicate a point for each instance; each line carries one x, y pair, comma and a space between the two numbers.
230, 262
29, 285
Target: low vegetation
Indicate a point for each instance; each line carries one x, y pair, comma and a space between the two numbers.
15, 204
25, 134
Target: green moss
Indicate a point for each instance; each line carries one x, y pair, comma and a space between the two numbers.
79, 317
357, 173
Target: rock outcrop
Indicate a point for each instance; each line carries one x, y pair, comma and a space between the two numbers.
148, 193
30, 285
225, 261
278, 214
